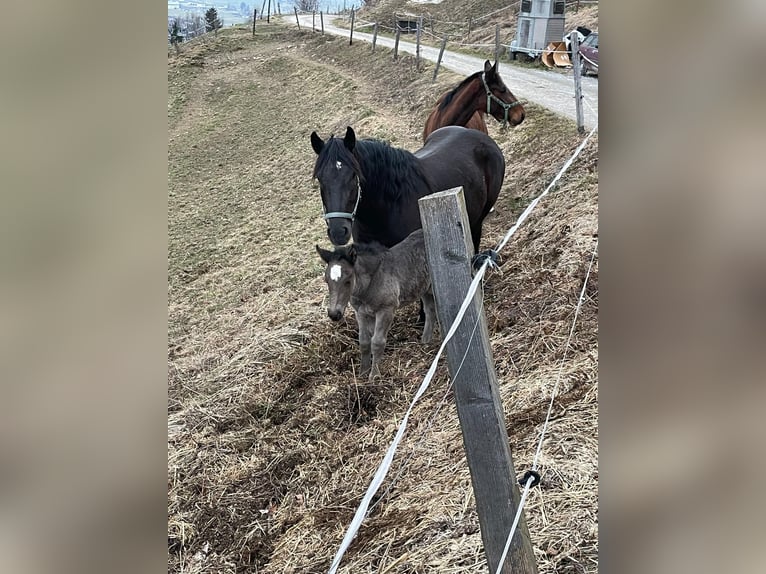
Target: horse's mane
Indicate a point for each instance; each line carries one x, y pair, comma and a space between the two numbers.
393, 173
372, 248
382, 169
448, 97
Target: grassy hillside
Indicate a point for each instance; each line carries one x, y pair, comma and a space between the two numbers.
272, 440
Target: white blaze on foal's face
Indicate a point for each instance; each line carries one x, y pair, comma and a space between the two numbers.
335, 272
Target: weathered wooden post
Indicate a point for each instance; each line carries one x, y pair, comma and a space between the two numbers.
268, 13
321, 21
351, 35
417, 43
255, 17
576, 63
313, 20
296, 17
449, 249
374, 35
469, 27
439, 59
497, 42
396, 42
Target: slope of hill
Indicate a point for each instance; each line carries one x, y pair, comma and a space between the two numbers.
272, 440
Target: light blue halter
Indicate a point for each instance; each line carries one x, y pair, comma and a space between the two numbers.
343, 214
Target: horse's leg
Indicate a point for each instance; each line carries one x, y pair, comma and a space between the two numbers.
476, 235
421, 315
427, 301
366, 326
383, 321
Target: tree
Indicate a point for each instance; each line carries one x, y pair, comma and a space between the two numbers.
174, 31
306, 5
212, 21
196, 24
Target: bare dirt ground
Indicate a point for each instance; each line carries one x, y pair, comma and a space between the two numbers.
272, 440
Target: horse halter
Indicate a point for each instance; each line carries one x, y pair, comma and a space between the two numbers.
491, 96
343, 214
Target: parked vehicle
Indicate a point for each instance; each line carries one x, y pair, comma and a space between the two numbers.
589, 54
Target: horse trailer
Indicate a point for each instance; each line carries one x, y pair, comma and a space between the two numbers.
539, 23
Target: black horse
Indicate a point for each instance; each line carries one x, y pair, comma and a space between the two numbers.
370, 190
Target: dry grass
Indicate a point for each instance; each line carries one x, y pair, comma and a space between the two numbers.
272, 440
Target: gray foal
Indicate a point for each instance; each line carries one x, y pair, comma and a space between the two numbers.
377, 281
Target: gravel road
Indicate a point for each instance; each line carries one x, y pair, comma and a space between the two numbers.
551, 90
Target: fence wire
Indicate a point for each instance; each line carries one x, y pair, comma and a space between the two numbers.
385, 465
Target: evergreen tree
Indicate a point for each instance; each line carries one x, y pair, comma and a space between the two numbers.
212, 21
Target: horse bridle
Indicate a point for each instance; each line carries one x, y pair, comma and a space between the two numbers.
491, 96
343, 214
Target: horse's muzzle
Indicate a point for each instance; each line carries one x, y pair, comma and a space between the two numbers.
334, 314
339, 231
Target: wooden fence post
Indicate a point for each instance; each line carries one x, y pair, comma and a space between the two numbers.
351, 35
449, 249
374, 35
469, 27
497, 42
577, 84
439, 59
417, 45
396, 42
313, 20
321, 21
296, 17
268, 13
255, 17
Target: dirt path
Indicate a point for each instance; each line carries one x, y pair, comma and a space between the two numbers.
548, 89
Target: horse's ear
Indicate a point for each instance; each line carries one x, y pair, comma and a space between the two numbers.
324, 254
487, 66
316, 142
351, 253
350, 139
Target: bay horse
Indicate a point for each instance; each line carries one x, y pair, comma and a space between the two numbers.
370, 190
377, 281
466, 104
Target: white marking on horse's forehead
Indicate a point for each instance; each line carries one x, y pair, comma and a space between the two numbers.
335, 272
338, 165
